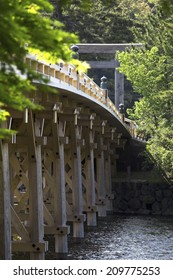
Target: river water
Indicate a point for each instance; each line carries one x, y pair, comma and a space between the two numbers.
126, 237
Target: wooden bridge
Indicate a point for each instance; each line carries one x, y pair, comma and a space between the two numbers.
56, 171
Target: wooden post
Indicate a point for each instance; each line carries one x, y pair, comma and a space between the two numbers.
59, 188
101, 189
78, 223
35, 187
5, 211
90, 181
108, 180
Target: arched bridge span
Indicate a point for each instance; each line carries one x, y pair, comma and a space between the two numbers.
56, 171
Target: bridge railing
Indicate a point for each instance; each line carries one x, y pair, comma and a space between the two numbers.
68, 74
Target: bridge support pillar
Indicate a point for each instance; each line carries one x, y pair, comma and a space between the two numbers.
90, 185
101, 189
5, 211
108, 181
35, 189
60, 217
78, 217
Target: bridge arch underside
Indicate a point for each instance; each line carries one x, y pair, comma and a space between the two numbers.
56, 171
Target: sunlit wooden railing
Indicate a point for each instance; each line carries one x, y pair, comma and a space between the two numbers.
66, 73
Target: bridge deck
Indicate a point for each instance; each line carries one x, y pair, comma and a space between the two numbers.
57, 168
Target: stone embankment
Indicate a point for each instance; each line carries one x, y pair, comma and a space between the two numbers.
141, 197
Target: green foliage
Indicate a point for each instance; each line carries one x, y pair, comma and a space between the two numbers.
161, 147
151, 65
137, 10
150, 71
166, 5
101, 23
24, 29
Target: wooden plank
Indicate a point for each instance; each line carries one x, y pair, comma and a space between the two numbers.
92, 209
57, 230
18, 168
18, 225
5, 212
14, 183
59, 194
35, 186
105, 48
102, 64
68, 180
32, 247
101, 189
47, 216
78, 227
23, 204
69, 210
108, 179
90, 179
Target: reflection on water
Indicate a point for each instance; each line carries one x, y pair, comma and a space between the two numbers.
126, 237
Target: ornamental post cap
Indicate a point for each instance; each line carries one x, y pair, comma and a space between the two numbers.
103, 79
121, 108
74, 48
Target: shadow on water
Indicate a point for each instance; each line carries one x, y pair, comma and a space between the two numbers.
126, 237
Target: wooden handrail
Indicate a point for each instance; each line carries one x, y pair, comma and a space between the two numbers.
67, 73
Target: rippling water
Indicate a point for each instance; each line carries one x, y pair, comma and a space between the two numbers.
126, 237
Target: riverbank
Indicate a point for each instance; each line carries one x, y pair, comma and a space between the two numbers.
146, 195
